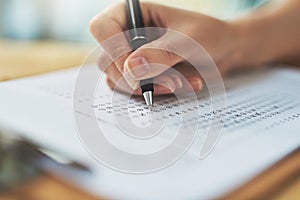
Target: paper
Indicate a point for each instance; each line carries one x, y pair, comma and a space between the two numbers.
260, 127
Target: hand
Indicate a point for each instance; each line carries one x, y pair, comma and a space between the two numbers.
216, 36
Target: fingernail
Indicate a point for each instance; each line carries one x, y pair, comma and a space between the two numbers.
168, 85
159, 89
137, 67
196, 83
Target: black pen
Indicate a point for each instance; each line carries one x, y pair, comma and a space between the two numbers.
137, 39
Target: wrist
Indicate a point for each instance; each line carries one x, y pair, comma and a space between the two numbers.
252, 46
248, 47
258, 38
233, 50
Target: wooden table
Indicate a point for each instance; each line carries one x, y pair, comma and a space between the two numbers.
19, 59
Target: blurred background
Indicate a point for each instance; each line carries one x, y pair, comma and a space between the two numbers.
68, 19
38, 36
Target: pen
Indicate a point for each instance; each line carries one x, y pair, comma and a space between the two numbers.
137, 39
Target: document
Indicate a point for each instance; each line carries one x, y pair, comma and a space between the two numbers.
260, 127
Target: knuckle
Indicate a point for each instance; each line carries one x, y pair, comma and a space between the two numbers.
94, 24
168, 56
166, 50
104, 62
116, 47
120, 62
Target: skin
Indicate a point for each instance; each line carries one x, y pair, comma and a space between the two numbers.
270, 34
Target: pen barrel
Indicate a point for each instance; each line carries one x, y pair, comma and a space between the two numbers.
135, 21
137, 34
147, 84
135, 17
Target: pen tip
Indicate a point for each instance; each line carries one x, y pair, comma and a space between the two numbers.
148, 96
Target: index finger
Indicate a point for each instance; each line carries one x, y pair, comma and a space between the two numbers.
112, 22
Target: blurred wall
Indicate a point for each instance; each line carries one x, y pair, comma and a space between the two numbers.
57, 19
68, 19
218, 8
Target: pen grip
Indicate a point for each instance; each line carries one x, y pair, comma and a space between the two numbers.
147, 85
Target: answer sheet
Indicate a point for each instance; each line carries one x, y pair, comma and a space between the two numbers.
261, 126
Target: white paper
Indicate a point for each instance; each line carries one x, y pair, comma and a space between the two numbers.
261, 127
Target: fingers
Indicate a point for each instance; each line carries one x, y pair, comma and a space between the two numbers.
154, 58
151, 60
167, 83
128, 90
163, 87
117, 80
108, 23
110, 68
173, 81
107, 27
134, 66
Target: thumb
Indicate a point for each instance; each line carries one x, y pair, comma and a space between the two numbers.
153, 58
